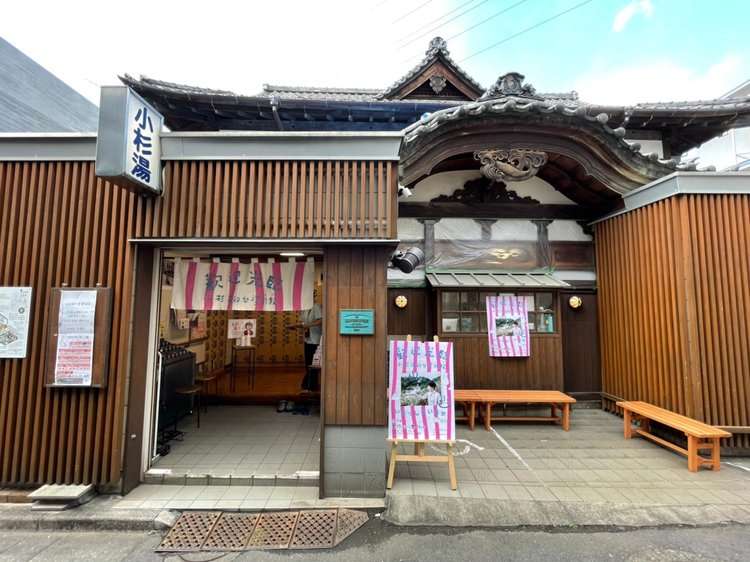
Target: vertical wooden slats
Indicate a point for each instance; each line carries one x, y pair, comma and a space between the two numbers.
62, 223
676, 277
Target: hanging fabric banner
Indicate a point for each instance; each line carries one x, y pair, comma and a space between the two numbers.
270, 287
420, 403
508, 326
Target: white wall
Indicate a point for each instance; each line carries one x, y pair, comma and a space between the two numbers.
565, 230
514, 229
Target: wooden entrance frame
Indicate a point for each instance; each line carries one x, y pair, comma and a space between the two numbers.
419, 455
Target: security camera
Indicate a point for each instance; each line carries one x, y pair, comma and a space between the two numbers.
404, 192
409, 260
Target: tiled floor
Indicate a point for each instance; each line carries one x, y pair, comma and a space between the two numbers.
590, 463
243, 441
230, 498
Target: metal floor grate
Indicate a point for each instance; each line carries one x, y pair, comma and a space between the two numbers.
315, 529
216, 531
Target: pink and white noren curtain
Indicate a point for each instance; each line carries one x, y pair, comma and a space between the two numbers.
272, 286
420, 400
508, 326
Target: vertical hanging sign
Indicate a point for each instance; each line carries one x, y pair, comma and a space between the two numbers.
420, 402
128, 144
508, 326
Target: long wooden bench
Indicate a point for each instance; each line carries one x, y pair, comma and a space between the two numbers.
485, 400
700, 436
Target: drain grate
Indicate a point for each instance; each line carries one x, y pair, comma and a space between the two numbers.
315, 529
274, 530
190, 531
214, 531
231, 532
349, 520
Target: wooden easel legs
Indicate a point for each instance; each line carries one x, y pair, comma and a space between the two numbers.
419, 456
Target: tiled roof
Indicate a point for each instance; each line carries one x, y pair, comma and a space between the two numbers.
320, 93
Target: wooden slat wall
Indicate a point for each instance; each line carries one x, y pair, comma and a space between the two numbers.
412, 319
674, 307
355, 372
60, 225
261, 199
474, 368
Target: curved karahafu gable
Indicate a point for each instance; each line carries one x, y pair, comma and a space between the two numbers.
510, 115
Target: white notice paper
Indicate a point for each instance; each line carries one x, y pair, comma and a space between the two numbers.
75, 338
15, 313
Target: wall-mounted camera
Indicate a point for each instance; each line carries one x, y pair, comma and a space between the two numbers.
404, 192
408, 260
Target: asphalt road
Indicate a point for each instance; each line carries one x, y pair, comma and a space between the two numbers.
378, 541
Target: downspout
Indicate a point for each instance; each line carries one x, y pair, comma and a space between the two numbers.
275, 110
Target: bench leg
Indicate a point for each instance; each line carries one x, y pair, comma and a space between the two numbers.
488, 416
566, 417
628, 423
693, 460
452, 468
472, 415
715, 455
392, 465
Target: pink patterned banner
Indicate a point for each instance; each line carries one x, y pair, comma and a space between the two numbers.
215, 285
420, 403
508, 326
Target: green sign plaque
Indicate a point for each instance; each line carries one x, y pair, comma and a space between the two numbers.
360, 322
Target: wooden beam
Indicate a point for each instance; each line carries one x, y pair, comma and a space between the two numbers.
494, 211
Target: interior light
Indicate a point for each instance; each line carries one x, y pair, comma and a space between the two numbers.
292, 254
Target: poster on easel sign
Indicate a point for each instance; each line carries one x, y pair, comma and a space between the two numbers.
508, 326
420, 403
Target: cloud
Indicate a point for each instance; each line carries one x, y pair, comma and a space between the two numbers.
623, 17
661, 80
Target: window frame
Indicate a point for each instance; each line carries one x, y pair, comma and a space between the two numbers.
555, 309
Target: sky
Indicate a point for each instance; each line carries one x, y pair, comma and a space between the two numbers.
609, 51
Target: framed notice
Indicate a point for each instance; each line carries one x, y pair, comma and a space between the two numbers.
420, 401
357, 322
78, 337
15, 314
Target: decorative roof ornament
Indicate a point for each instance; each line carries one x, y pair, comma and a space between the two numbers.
513, 164
437, 83
510, 84
437, 46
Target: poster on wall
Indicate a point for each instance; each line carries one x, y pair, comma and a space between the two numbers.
508, 326
15, 314
75, 338
270, 286
420, 403
240, 328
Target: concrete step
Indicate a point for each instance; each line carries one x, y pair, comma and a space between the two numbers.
58, 497
168, 477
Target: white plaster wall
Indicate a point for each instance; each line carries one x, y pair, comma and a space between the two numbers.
410, 229
514, 229
447, 182
458, 229
566, 230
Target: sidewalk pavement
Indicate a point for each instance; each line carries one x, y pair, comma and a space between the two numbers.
588, 476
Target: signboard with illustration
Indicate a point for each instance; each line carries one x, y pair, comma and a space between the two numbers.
240, 328
508, 326
420, 401
15, 314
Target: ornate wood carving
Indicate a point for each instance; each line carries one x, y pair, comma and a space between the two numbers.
484, 190
513, 164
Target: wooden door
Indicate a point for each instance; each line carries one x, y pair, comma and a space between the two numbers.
580, 333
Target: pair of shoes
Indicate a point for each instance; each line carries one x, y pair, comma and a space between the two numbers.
282, 407
289, 406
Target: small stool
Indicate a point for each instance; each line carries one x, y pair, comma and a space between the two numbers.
192, 390
203, 381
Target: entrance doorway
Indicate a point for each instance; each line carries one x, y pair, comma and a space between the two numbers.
582, 377
233, 392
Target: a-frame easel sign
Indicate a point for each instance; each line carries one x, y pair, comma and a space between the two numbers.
420, 402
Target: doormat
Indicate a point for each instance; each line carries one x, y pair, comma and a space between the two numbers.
202, 531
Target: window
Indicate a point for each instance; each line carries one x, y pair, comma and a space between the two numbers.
465, 311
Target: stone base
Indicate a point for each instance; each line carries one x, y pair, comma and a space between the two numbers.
354, 463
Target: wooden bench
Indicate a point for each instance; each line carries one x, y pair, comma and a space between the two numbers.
486, 399
699, 435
